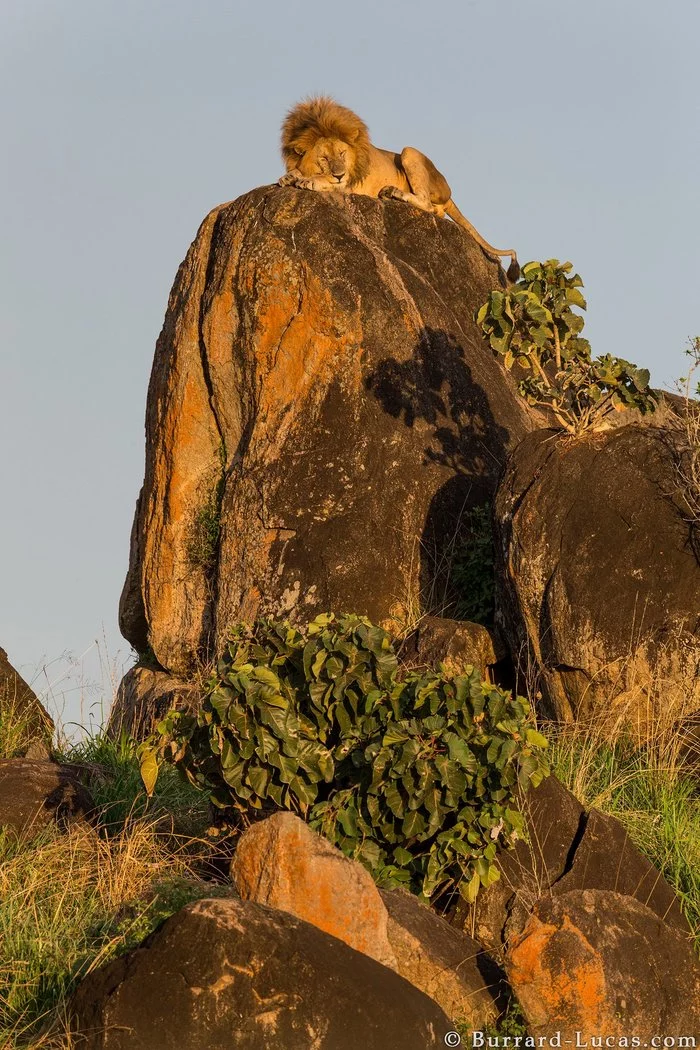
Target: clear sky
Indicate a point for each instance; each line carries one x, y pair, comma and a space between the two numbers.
565, 130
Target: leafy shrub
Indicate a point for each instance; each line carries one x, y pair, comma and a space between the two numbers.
473, 570
415, 776
533, 326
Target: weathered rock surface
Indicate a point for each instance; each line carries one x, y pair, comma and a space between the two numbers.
447, 965
599, 580
281, 862
568, 849
19, 702
455, 643
144, 697
34, 794
322, 409
602, 964
232, 975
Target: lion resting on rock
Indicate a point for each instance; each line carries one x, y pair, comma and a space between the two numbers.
327, 147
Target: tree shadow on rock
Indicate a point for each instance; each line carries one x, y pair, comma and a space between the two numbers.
436, 386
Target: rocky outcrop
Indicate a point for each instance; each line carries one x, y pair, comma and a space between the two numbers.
281, 862
322, 409
600, 963
34, 794
231, 974
447, 965
20, 706
599, 579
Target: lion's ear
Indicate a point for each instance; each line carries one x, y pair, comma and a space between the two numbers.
298, 150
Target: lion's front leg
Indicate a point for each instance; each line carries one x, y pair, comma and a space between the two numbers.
302, 182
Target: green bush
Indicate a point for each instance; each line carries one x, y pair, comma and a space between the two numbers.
415, 776
533, 326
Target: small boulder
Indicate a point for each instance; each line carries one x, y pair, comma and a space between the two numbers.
447, 965
232, 975
34, 794
454, 643
281, 862
602, 964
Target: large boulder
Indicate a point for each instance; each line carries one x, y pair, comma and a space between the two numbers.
34, 794
232, 975
281, 862
598, 963
145, 695
598, 575
322, 409
24, 718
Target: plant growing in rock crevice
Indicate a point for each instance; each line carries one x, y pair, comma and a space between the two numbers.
533, 327
415, 776
473, 572
205, 526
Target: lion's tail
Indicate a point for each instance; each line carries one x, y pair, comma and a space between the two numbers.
513, 272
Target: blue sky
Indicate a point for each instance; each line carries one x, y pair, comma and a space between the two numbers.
569, 131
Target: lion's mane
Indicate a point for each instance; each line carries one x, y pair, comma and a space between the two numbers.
322, 118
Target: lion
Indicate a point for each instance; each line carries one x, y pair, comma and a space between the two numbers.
327, 147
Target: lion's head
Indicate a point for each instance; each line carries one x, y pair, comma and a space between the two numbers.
326, 141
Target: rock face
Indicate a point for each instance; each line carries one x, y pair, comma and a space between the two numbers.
447, 965
602, 964
568, 849
19, 702
599, 580
229, 975
34, 794
322, 409
281, 862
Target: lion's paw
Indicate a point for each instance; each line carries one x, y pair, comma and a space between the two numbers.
290, 179
388, 193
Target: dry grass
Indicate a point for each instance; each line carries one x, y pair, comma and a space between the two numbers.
68, 902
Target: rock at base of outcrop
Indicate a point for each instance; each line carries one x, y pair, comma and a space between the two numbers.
232, 975
598, 578
567, 848
34, 794
20, 705
601, 964
281, 862
454, 643
144, 697
447, 965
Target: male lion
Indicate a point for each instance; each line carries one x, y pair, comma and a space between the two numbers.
327, 147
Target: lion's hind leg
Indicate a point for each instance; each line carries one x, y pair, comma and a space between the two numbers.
429, 190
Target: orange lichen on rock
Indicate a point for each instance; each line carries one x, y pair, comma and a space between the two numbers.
559, 978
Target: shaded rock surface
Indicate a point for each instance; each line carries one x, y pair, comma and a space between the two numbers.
599, 580
19, 702
447, 965
322, 410
232, 975
144, 697
34, 794
603, 964
281, 862
568, 848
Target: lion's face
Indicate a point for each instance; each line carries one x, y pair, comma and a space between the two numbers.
329, 160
